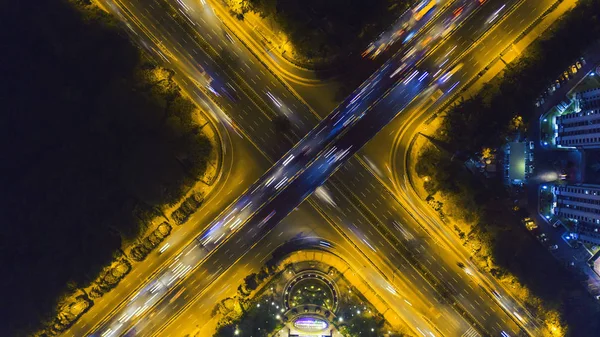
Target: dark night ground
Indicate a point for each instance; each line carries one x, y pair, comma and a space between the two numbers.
81, 149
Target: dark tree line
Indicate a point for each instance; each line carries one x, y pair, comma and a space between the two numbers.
94, 139
319, 28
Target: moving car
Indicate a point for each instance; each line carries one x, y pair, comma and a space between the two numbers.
553, 247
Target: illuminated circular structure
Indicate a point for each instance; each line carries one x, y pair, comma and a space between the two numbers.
310, 324
311, 291
311, 287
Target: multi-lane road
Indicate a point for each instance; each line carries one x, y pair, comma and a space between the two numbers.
251, 98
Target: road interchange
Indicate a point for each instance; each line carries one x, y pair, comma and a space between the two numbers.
259, 101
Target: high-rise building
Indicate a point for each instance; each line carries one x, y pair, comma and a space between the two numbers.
580, 203
578, 129
588, 99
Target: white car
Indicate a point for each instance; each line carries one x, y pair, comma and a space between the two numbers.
531, 145
553, 247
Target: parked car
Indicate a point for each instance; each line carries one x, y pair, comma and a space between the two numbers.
531, 145
562, 78
578, 65
529, 224
573, 69
582, 60
567, 76
557, 84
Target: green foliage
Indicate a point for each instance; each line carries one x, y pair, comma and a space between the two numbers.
88, 155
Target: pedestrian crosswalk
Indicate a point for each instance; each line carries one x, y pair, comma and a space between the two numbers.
471, 333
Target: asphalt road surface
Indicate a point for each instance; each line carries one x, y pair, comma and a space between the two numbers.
263, 107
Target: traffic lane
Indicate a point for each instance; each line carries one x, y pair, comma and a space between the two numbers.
205, 23
401, 274
508, 30
189, 65
443, 271
496, 43
372, 126
266, 217
312, 177
402, 296
260, 110
500, 36
237, 185
184, 267
285, 68
301, 223
490, 46
384, 210
192, 301
285, 202
469, 31
177, 240
365, 128
295, 220
247, 167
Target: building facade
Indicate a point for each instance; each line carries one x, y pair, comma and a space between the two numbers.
585, 233
578, 129
580, 203
588, 99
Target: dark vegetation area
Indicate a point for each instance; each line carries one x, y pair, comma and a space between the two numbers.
242, 312
140, 251
484, 121
254, 320
94, 139
328, 29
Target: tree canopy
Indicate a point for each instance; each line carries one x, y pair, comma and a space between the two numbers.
319, 28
